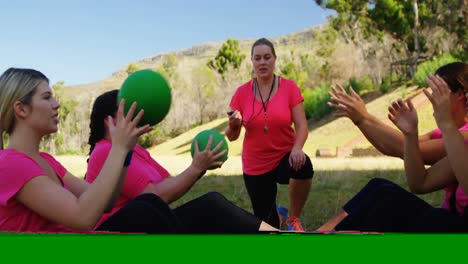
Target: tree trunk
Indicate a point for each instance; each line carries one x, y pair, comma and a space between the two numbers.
414, 63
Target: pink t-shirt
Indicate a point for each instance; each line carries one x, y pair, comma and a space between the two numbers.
262, 152
142, 170
461, 197
16, 169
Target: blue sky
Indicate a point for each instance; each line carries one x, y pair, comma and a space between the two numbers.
86, 41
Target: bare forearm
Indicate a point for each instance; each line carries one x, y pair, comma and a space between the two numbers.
173, 188
414, 165
301, 136
457, 153
232, 133
384, 138
116, 193
105, 189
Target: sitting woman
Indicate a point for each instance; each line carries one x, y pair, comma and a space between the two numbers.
383, 206
149, 182
37, 194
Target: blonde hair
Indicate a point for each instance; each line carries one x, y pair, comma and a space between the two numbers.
16, 85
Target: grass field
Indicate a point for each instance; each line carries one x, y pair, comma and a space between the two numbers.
335, 181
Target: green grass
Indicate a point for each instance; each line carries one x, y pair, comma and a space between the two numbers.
330, 191
335, 181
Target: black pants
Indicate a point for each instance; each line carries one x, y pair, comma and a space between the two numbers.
262, 189
383, 206
210, 213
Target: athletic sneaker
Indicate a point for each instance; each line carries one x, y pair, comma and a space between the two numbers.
283, 214
294, 224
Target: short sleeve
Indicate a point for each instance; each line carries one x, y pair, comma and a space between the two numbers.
97, 159
16, 170
295, 96
235, 100
240, 96
57, 166
142, 171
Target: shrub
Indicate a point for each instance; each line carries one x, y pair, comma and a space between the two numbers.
385, 85
360, 85
429, 67
315, 102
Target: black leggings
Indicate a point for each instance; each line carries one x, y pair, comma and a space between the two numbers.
210, 213
383, 206
262, 189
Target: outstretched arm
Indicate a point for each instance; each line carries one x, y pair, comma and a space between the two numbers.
383, 137
173, 188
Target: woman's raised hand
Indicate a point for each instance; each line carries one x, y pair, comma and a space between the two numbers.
404, 116
347, 105
207, 158
440, 99
123, 129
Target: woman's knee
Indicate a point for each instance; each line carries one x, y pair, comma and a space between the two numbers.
379, 182
212, 197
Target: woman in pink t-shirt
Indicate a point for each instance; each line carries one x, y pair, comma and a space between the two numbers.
266, 107
384, 206
37, 194
148, 189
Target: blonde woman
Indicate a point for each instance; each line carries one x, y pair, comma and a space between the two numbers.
37, 194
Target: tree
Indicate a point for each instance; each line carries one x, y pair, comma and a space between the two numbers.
295, 70
131, 68
228, 55
204, 85
399, 18
168, 68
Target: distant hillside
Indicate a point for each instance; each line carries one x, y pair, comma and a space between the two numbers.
189, 58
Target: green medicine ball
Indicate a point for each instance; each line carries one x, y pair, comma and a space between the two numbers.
151, 92
202, 139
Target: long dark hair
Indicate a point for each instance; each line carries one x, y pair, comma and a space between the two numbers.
105, 105
455, 74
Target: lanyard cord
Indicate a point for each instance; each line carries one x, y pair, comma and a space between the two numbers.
265, 103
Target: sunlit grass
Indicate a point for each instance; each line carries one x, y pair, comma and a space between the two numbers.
335, 181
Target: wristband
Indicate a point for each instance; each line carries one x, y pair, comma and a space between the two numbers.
128, 158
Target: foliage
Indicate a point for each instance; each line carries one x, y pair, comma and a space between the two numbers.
228, 55
293, 70
361, 84
315, 102
429, 67
67, 112
131, 68
326, 39
152, 138
204, 85
168, 68
385, 85
452, 16
404, 20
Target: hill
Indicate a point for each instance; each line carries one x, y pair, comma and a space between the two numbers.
188, 59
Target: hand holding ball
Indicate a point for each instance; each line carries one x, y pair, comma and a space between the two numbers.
202, 139
151, 92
